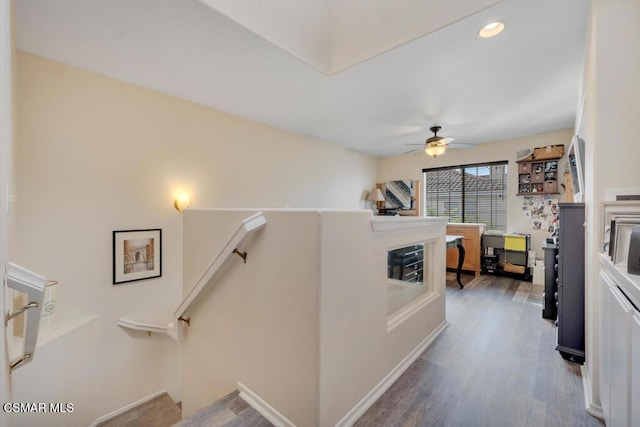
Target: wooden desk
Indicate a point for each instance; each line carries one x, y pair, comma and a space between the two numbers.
454, 241
471, 241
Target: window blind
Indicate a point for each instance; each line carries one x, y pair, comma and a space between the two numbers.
468, 193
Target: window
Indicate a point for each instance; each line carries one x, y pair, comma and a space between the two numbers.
468, 193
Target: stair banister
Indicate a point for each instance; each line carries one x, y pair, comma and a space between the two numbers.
32, 284
231, 248
248, 225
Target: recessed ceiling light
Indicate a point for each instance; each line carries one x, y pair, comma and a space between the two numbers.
491, 30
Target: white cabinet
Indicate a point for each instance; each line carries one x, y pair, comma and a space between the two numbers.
604, 295
619, 346
620, 312
635, 369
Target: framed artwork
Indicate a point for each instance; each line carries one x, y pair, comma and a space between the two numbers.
618, 220
137, 255
399, 194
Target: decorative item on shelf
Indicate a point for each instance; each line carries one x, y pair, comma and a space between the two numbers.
619, 218
621, 232
182, 202
633, 259
523, 189
543, 153
551, 166
375, 196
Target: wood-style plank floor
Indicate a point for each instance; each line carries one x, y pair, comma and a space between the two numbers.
160, 411
229, 411
495, 365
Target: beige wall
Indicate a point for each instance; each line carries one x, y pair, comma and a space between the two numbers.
96, 155
410, 167
357, 349
612, 90
256, 323
302, 324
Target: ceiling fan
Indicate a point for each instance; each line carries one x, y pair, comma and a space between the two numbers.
436, 145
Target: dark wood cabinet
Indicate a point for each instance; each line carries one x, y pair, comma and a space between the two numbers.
571, 281
550, 295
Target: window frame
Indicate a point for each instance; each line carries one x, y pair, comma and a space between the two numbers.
463, 191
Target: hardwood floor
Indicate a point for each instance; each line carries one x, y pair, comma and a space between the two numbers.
160, 411
230, 411
495, 365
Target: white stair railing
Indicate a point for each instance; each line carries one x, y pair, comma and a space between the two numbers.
233, 246
32, 284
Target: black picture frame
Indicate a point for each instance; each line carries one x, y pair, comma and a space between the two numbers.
137, 255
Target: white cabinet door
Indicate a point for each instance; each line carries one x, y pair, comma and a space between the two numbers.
621, 312
635, 370
604, 295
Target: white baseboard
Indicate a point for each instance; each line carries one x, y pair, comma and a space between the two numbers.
407, 312
266, 410
126, 408
374, 394
589, 405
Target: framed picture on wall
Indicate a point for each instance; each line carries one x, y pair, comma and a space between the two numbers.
137, 255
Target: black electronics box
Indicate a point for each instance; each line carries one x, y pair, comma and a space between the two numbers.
489, 263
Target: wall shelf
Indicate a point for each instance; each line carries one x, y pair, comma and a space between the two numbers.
538, 177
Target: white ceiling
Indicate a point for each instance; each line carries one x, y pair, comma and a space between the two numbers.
332, 35
522, 82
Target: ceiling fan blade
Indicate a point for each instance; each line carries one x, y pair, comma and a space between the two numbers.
447, 140
461, 145
413, 151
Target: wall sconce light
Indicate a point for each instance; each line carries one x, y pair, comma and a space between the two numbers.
182, 202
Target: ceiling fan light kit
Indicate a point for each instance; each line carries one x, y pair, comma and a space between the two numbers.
436, 145
435, 149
